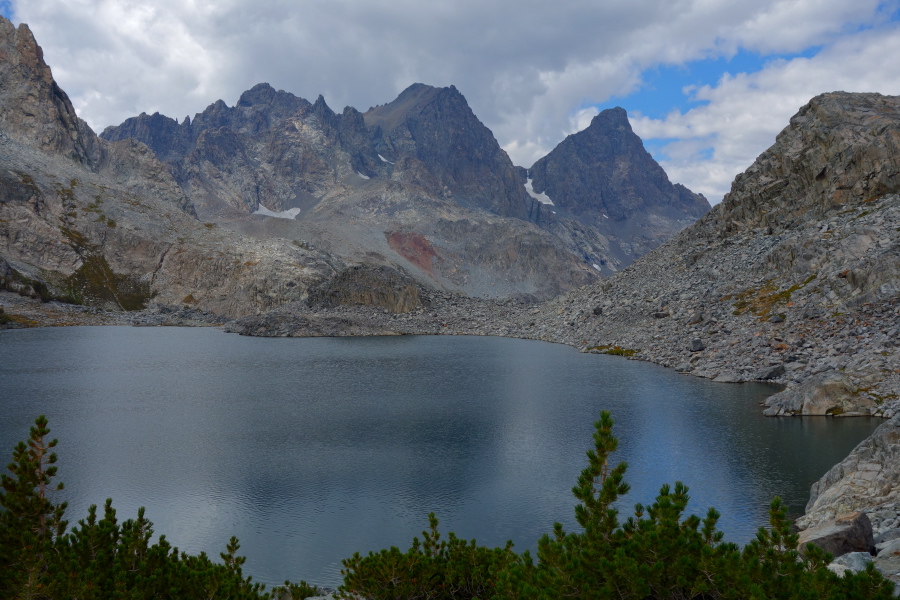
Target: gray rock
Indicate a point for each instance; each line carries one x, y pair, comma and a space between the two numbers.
887, 536
887, 548
697, 345
850, 532
870, 476
828, 393
852, 561
772, 372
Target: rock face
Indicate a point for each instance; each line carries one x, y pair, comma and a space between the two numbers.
828, 393
851, 532
838, 151
104, 223
603, 177
867, 479
363, 286
436, 127
36, 111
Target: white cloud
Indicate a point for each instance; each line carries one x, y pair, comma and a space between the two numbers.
745, 112
528, 68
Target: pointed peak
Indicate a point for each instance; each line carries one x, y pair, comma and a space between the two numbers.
615, 117
320, 107
258, 94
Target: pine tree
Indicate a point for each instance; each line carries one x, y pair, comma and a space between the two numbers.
30, 521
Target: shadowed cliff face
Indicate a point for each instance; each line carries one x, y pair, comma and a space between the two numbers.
603, 177
436, 127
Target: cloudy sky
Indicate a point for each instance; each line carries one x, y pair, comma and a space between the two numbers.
707, 83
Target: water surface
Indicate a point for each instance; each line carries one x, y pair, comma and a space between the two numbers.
311, 449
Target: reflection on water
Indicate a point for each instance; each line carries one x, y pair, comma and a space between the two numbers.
311, 449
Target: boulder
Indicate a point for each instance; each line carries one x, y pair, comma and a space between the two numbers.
828, 393
697, 345
771, 372
850, 532
887, 536
888, 548
853, 562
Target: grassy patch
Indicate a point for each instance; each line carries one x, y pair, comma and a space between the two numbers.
615, 350
96, 283
763, 300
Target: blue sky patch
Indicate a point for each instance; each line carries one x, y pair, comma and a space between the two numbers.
6, 9
663, 87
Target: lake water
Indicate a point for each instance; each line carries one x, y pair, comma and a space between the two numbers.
311, 449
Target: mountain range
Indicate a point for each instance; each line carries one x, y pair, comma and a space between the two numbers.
187, 212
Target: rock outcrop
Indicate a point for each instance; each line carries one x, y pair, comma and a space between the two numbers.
363, 286
866, 480
845, 534
828, 393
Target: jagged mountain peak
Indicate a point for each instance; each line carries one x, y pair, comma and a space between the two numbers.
605, 171
436, 127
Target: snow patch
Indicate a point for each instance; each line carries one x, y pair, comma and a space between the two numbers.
291, 213
596, 266
383, 159
605, 217
542, 197
363, 176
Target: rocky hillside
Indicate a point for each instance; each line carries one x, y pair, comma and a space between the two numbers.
605, 179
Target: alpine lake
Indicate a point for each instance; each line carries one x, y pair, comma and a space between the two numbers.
309, 450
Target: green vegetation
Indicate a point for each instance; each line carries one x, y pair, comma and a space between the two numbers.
762, 301
95, 282
656, 553
615, 350
101, 558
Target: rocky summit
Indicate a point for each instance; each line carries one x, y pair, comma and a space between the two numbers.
444, 210
603, 178
418, 184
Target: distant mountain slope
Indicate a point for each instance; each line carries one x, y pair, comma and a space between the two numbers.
604, 178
